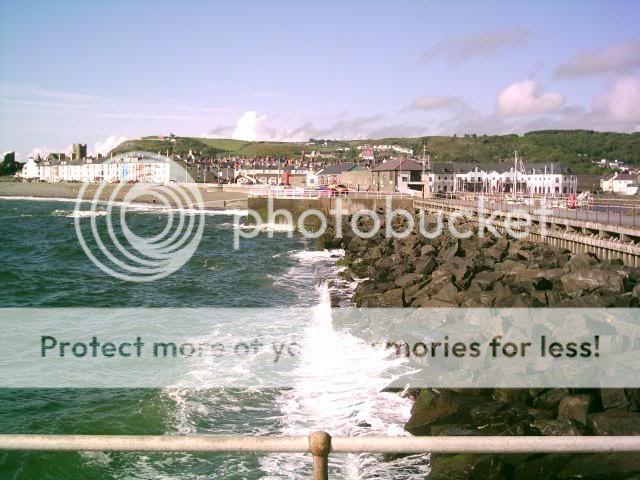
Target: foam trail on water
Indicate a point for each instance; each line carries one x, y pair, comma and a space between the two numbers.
338, 388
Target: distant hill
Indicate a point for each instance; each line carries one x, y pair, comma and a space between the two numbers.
574, 148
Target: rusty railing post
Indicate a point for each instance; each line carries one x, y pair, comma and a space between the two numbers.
320, 446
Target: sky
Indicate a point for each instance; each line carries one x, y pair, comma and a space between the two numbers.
102, 72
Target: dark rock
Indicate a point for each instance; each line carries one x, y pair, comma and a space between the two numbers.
393, 298
425, 265
486, 280
448, 294
575, 408
582, 262
478, 299
615, 422
427, 250
431, 408
544, 467
390, 298
450, 252
512, 395
620, 399
590, 280
497, 413
588, 301
555, 427
467, 466
550, 399
449, 430
408, 279
614, 466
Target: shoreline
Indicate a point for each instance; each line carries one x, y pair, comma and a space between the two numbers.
213, 198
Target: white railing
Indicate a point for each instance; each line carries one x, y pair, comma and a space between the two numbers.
321, 444
301, 193
607, 214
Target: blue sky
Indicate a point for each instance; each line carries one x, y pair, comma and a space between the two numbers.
99, 72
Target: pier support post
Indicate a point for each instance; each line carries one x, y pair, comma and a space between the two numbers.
320, 446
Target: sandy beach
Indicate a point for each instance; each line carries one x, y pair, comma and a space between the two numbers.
213, 197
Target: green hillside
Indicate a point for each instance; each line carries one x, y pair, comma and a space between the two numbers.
575, 148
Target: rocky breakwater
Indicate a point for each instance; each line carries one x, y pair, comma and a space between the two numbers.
499, 272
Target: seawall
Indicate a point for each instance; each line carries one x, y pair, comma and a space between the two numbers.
213, 197
298, 206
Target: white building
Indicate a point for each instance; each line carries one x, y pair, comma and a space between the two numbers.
31, 169
621, 183
550, 179
144, 167
535, 180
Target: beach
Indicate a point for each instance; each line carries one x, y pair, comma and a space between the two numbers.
213, 197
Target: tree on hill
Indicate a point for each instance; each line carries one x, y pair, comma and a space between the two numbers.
9, 166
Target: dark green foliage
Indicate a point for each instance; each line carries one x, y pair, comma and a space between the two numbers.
8, 165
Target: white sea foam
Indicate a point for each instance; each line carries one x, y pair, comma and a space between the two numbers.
78, 213
313, 255
337, 386
41, 199
263, 227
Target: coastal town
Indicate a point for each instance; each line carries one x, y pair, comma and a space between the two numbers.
375, 168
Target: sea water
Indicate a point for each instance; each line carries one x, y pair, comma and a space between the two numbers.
337, 383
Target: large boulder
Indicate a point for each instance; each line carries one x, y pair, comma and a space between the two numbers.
555, 427
550, 399
614, 466
436, 408
590, 280
466, 466
575, 407
425, 265
582, 262
486, 280
408, 279
620, 399
448, 294
390, 298
614, 422
450, 251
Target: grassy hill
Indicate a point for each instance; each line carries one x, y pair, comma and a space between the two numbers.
574, 148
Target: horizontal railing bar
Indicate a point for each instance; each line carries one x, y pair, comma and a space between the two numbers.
486, 444
300, 444
155, 443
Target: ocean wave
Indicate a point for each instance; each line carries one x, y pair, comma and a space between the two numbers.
79, 213
42, 199
313, 255
263, 227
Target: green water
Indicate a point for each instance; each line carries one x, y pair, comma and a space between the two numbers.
42, 265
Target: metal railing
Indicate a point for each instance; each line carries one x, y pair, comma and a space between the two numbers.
593, 211
302, 193
320, 444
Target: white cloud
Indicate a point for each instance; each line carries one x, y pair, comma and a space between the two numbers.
107, 145
482, 44
249, 126
433, 103
620, 58
527, 98
621, 102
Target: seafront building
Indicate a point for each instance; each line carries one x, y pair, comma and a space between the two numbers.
622, 183
145, 167
393, 175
